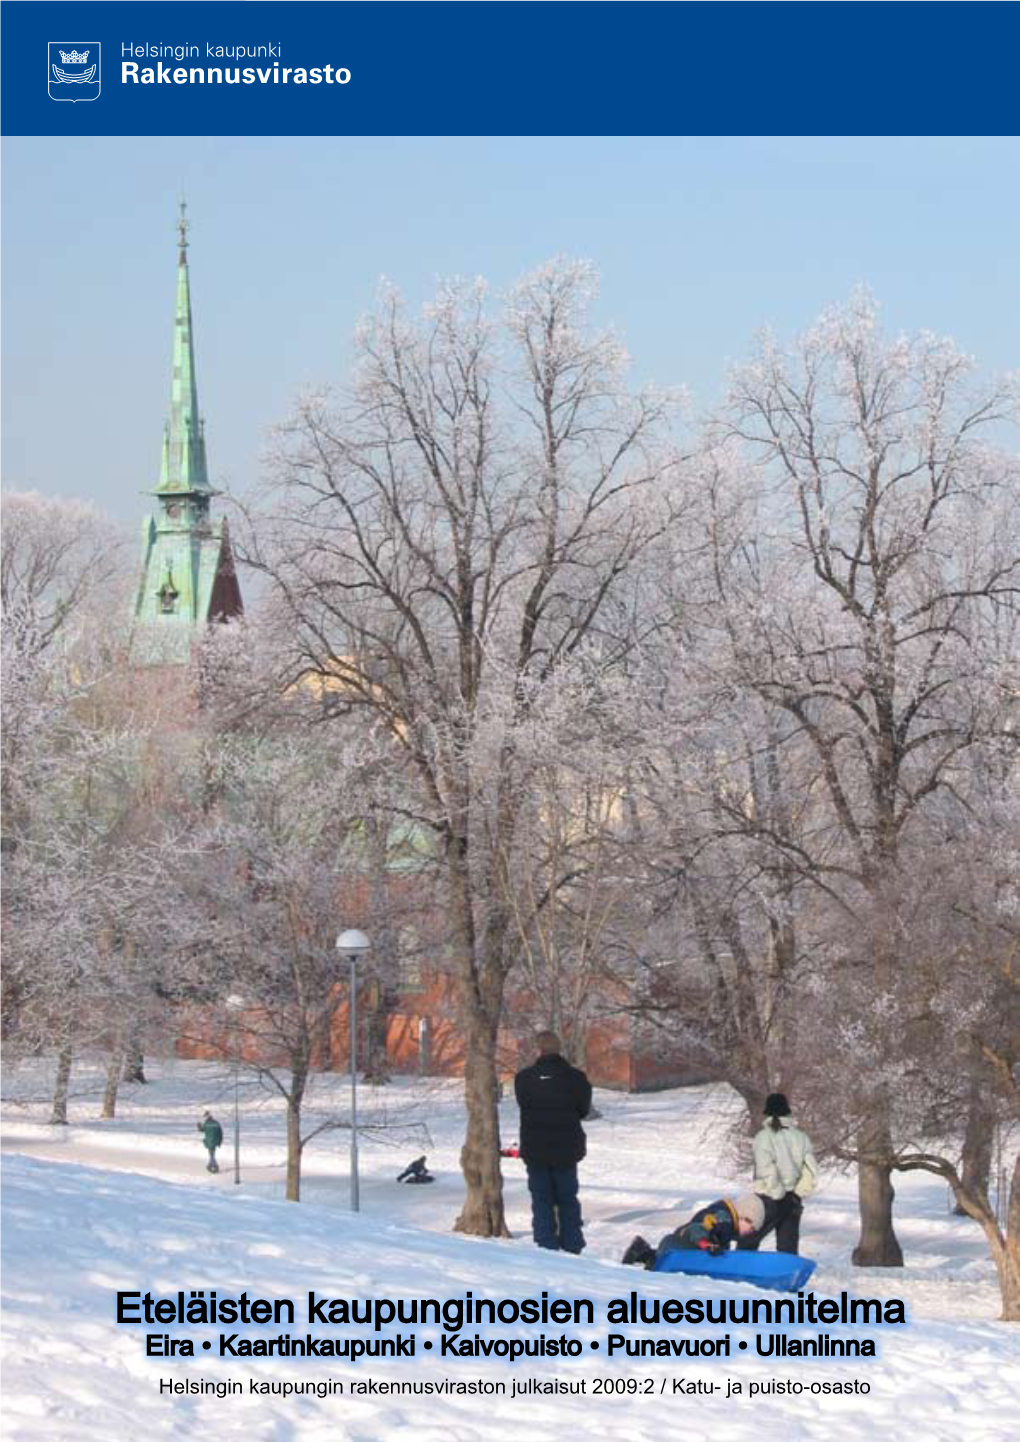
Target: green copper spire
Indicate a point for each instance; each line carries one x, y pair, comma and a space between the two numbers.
188, 576
184, 467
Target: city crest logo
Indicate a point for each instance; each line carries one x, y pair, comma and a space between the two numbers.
74, 69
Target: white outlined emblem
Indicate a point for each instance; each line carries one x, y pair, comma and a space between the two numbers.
74, 69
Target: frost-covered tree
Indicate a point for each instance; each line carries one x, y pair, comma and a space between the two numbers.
60, 563
570, 877
282, 860
861, 603
717, 959
447, 533
54, 556
86, 791
952, 1004
82, 951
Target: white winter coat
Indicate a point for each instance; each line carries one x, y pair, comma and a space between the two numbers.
784, 1161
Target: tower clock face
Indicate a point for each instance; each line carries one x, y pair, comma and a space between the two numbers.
173, 510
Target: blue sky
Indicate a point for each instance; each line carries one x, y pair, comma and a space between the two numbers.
699, 241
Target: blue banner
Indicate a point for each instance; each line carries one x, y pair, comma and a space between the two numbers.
509, 68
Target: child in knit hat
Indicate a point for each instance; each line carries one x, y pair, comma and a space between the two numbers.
713, 1229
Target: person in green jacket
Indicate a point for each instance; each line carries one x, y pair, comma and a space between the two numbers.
212, 1136
785, 1172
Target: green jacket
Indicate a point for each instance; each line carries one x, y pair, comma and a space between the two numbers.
784, 1161
212, 1133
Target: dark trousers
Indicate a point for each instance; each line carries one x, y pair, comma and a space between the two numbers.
555, 1209
212, 1165
783, 1218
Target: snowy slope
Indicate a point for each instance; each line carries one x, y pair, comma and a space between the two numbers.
73, 1235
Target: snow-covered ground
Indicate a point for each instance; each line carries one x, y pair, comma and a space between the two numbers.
101, 1206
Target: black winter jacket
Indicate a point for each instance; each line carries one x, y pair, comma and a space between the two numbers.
553, 1097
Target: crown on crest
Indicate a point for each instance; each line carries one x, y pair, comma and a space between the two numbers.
71, 57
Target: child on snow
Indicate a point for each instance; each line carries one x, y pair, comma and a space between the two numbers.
416, 1173
712, 1229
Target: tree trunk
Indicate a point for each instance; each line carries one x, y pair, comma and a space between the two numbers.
752, 1094
1005, 1249
377, 1066
300, 1065
978, 1138
1007, 1263
10, 1002
579, 1044
113, 1071
63, 1082
134, 1064
293, 1193
579, 1057
1007, 1259
877, 1246
482, 1214
480, 1001
1004, 1245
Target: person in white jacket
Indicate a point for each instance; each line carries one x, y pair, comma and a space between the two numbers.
785, 1172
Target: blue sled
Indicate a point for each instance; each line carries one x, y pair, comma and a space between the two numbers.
780, 1271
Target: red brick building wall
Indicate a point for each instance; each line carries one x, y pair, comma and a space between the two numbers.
422, 1038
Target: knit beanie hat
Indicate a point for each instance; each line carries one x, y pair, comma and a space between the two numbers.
776, 1105
751, 1207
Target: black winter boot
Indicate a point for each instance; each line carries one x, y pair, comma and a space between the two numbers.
639, 1253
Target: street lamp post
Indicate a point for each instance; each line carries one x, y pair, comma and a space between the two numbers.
353, 945
235, 1004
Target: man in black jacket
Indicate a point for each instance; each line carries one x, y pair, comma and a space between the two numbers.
553, 1097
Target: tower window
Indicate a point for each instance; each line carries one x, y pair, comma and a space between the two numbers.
168, 595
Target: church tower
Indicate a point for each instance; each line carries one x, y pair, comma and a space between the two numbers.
188, 577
